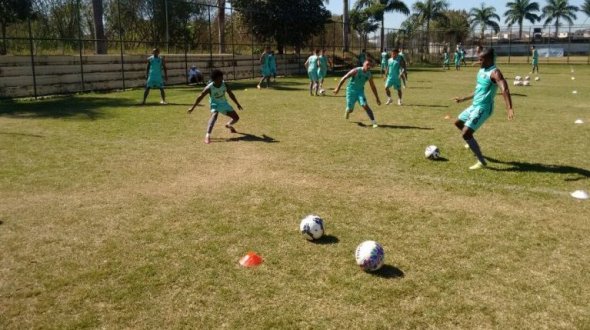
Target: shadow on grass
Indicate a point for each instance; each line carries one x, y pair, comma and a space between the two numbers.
579, 173
516, 94
388, 271
418, 87
62, 107
440, 159
248, 138
394, 126
326, 239
427, 105
22, 134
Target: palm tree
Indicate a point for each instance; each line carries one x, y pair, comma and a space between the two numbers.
378, 8
484, 17
556, 10
430, 10
519, 10
586, 7
364, 23
221, 25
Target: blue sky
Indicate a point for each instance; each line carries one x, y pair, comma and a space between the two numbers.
394, 20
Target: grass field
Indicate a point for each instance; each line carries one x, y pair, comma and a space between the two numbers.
118, 216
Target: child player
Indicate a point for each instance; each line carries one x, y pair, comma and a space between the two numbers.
392, 73
355, 90
216, 91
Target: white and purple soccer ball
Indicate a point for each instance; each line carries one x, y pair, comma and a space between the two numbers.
369, 256
312, 227
432, 152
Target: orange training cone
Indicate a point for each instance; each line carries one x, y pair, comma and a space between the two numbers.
250, 260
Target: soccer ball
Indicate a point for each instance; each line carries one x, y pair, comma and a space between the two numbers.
322, 92
518, 78
312, 227
526, 83
369, 256
527, 78
432, 152
537, 78
517, 83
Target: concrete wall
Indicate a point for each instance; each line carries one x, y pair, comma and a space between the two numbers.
63, 74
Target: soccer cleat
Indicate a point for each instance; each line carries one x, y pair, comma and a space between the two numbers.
231, 128
389, 101
258, 86
466, 146
399, 102
347, 114
375, 125
477, 166
207, 140
163, 102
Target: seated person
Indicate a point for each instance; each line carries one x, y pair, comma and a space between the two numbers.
194, 75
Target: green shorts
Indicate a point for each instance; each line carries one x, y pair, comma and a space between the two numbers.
393, 82
322, 74
221, 107
475, 117
313, 75
353, 96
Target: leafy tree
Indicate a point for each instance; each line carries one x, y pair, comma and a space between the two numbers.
456, 28
430, 10
378, 8
363, 22
286, 22
558, 10
586, 7
221, 25
519, 10
484, 17
12, 11
345, 22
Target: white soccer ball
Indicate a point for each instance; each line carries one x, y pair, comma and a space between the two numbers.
432, 152
322, 92
517, 83
369, 256
518, 78
526, 83
537, 78
312, 227
527, 78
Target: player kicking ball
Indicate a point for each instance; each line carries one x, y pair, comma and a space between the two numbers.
355, 90
216, 91
489, 78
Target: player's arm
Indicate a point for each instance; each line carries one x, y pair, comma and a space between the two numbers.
498, 78
306, 64
350, 73
374, 89
204, 93
262, 58
165, 69
233, 97
463, 99
147, 69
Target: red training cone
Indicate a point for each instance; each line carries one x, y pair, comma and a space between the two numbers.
250, 260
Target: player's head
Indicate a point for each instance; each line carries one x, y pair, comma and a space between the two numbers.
323, 51
267, 49
533, 47
316, 51
156, 51
217, 76
394, 52
486, 58
367, 64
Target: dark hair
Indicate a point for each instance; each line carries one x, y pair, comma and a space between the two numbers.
533, 46
216, 74
488, 53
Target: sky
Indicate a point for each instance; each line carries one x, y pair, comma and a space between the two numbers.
394, 20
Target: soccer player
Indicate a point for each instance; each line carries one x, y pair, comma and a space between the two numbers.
535, 61
362, 57
312, 65
264, 68
218, 102
457, 59
446, 60
324, 63
403, 61
384, 58
392, 72
489, 78
355, 90
462, 53
272, 65
155, 66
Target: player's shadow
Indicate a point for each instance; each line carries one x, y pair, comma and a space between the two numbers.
326, 239
252, 138
395, 126
575, 172
427, 105
440, 159
516, 94
389, 271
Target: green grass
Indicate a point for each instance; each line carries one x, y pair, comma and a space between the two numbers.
118, 216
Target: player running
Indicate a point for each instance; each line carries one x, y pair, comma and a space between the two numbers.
489, 78
355, 90
446, 60
457, 60
392, 72
265, 68
312, 65
155, 66
535, 61
403, 61
324, 64
384, 58
218, 102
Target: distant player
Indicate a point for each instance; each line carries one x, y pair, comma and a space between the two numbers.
265, 68
324, 64
218, 102
462, 53
272, 65
457, 60
355, 90
392, 73
312, 65
362, 57
403, 61
384, 58
489, 78
446, 60
535, 61
155, 66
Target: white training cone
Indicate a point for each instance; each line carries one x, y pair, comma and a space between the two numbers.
580, 194
578, 121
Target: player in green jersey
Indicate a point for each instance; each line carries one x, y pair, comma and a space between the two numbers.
265, 68
392, 73
312, 64
156, 65
535, 61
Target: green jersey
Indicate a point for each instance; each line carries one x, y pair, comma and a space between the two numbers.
357, 82
384, 57
217, 94
485, 90
312, 63
323, 62
393, 68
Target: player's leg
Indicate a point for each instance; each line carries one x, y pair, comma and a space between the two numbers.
234, 119
473, 119
467, 134
162, 95
146, 92
388, 93
210, 125
363, 102
399, 95
351, 97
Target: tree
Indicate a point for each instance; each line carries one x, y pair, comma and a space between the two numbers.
345, 22
12, 11
221, 25
557, 10
456, 28
378, 8
430, 10
285, 22
363, 22
484, 17
586, 7
519, 10
100, 41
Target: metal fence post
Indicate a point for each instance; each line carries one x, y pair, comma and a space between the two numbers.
233, 51
32, 57
80, 45
121, 42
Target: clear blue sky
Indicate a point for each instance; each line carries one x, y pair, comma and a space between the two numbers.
394, 20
